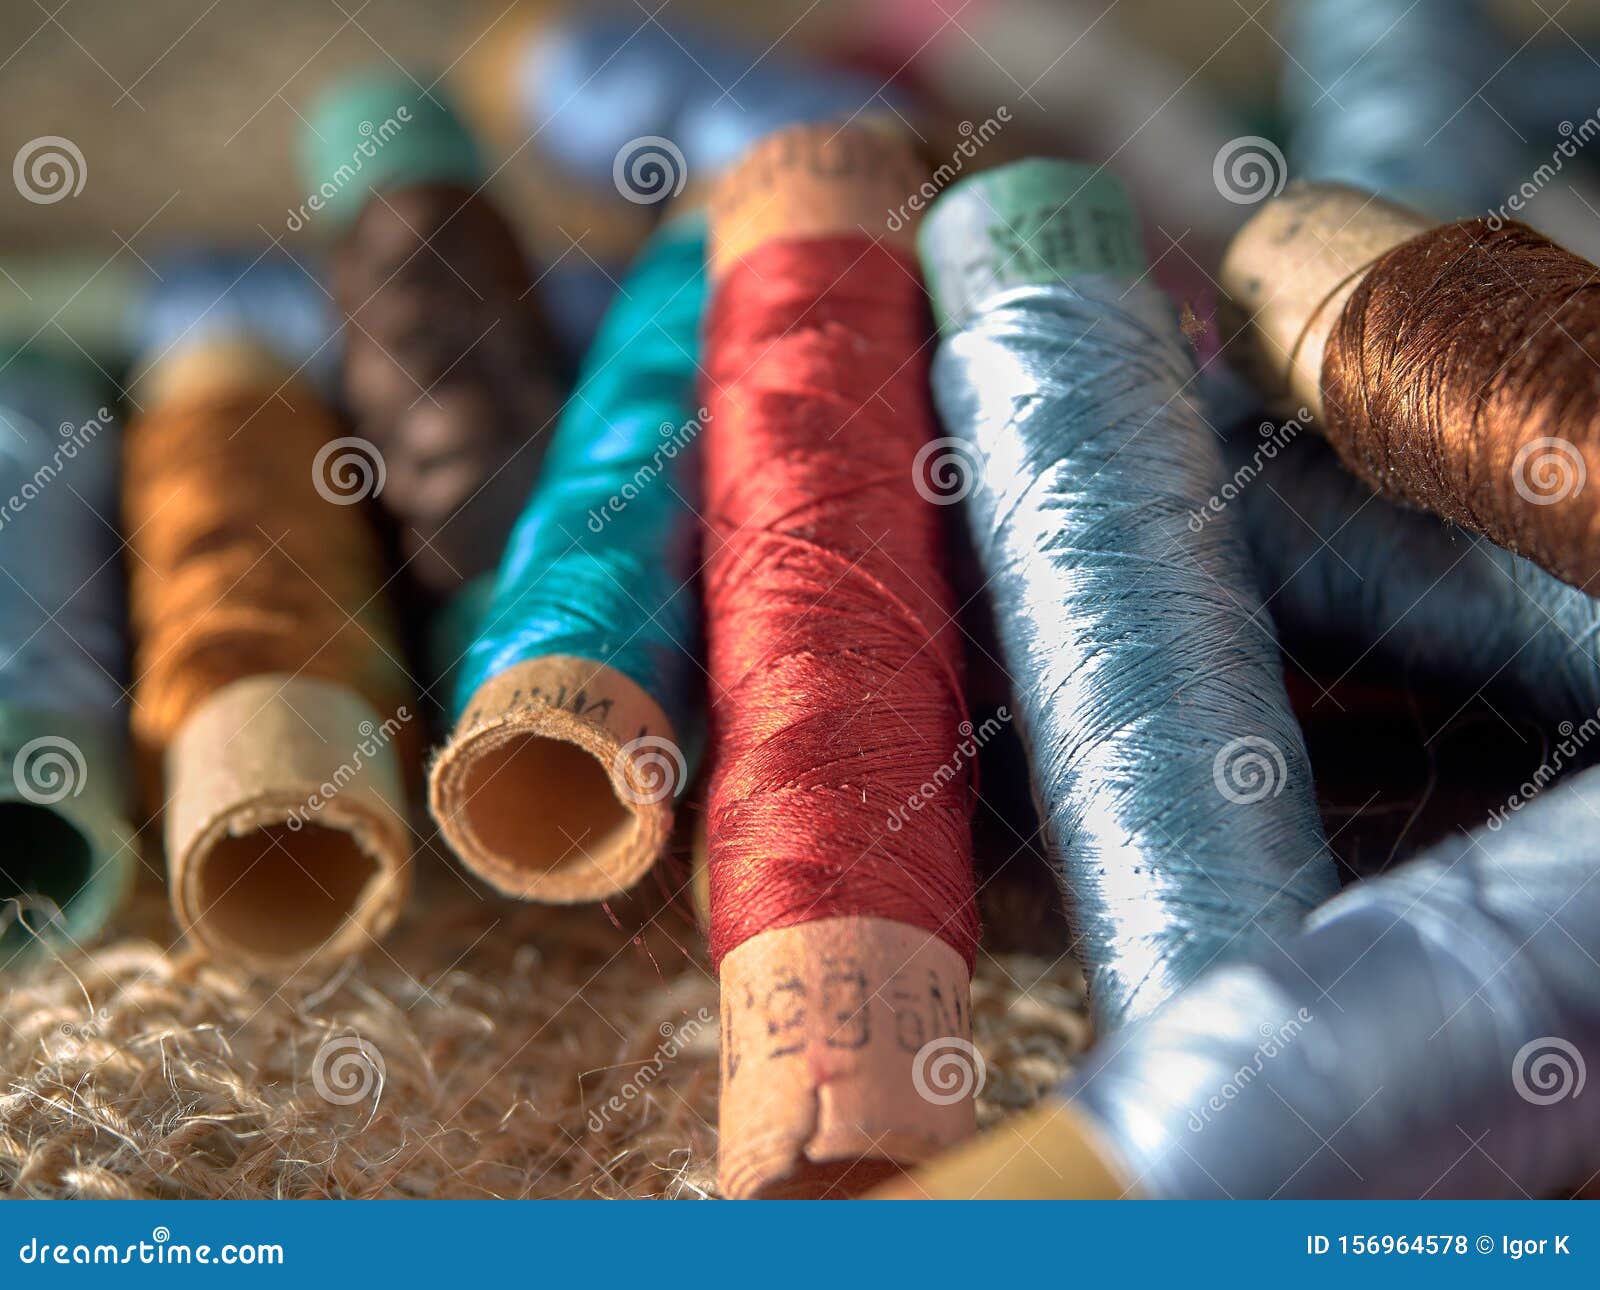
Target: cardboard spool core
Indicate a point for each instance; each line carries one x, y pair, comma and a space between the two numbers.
846, 1057
1288, 273
560, 781
285, 826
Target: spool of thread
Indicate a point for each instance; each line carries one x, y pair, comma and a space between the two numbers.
579, 711
1425, 1035
1452, 368
1384, 95
446, 358
1064, 71
69, 852
1353, 580
599, 90
843, 923
269, 697
1415, 100
1170, 773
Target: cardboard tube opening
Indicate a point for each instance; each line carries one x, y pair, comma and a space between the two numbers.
559, 784
285, 826
44, 856
280, 893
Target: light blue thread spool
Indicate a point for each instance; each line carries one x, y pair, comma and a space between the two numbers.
1448, 1003
1171, 775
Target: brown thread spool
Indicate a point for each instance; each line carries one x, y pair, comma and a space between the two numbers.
443, 370
267, 694
806, 1110
1453, 368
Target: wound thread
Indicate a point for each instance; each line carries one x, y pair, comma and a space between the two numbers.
1170, 773
446, 356
68, 857
833, 659
1353, 580
270, 703
589, 644
1461, 377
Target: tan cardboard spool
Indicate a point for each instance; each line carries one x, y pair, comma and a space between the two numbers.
836, 1034
1290, 270
1048, 1153
558, 783
285, 820
286, 834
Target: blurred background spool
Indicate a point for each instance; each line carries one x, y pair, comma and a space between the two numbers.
579, 708
842, 933
1448, 1002
1358, 584
271, 706
1171, 776
67, 851
448, 369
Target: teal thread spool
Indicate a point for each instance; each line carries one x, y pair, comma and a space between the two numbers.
68, 854
579, 715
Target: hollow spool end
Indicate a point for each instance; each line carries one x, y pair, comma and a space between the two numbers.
383, 130
847, 1058
1051, 1152
560, 781
286, 831
67, 851
1029, 223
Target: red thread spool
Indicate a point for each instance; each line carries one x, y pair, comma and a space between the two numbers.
842, 916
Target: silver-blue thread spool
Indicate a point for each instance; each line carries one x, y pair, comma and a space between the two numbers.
1170, 773
1429, 1034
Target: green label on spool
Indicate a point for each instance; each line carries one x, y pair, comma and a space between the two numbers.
1031, 222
